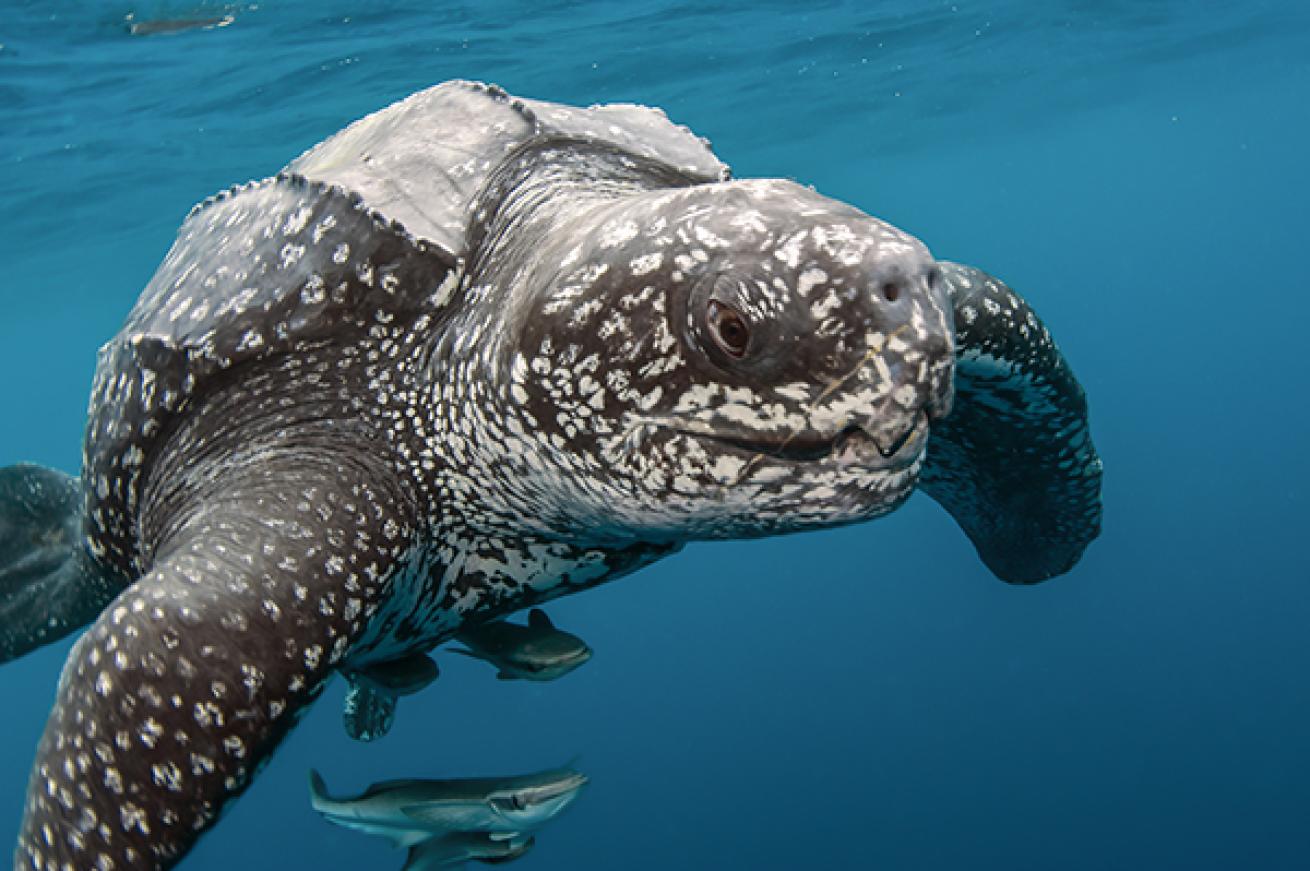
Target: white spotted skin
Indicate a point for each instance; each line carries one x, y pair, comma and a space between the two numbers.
237, 288
611, 409
263, 472
324, 439
583, 452
271, 523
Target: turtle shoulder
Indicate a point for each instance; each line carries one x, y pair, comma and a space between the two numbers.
642, 131
426, 160
370, 227
263, 270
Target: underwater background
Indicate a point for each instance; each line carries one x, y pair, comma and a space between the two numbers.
865, 698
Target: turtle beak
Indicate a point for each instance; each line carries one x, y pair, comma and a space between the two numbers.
942, 361
891, 428
942, 398
916, 386
910, 349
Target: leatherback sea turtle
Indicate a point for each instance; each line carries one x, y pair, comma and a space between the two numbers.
470, 354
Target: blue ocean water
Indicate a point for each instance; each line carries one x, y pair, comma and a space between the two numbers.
863, 698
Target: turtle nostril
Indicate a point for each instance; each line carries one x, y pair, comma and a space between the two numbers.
934, 278
891, 291
895, 444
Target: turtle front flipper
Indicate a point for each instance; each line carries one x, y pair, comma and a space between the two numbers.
49, 585
1014, 462
273, 560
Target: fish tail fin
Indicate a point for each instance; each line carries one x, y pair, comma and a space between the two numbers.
318, 797
49, 585
414, 859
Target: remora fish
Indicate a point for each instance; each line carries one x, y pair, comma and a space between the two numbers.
175, 25
537, 651
409, 812
453, 850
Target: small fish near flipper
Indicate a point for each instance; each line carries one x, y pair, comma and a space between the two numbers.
453, 850
370, 706
537, 651
49, 585
165, 26
414, 812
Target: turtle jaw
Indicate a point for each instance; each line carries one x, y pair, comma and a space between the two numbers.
852, 446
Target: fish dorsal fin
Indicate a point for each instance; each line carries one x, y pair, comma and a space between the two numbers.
537, 619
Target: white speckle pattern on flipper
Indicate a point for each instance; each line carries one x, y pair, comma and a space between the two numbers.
174, 698
49, 585
1014, 463
367, 712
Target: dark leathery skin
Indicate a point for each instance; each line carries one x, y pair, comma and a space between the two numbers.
1014, 464
328, 436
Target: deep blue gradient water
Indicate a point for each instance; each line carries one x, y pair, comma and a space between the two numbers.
867, 698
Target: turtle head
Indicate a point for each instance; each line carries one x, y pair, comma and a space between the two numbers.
737, 359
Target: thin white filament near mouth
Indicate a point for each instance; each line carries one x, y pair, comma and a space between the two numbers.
874, 353
849, 454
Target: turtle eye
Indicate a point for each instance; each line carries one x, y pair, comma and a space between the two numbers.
728, 327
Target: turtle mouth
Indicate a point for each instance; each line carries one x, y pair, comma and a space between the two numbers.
852, 445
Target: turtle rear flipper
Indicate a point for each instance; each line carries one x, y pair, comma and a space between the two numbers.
370, 708
48, 583
1013, 463
368, 712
